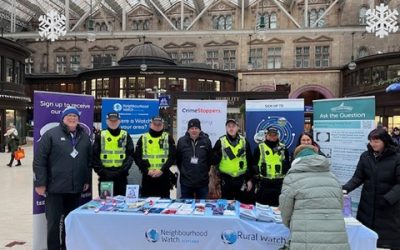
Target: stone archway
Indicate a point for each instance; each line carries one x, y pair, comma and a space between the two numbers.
312, 88
264, 88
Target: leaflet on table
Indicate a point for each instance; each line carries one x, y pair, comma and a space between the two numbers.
106, 189
260, 212
131, 194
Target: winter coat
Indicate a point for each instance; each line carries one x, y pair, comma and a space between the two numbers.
311, 205
194, 175
379, 207
13, 142
53, 165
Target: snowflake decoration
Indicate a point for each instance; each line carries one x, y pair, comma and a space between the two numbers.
52, 25
382, 20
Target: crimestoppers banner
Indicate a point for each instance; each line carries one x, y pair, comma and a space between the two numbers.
286, 115
211, 113
46, 115
341, 128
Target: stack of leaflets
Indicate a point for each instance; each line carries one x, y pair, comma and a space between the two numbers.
247, 212
185, 209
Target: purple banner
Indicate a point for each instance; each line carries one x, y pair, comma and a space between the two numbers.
47, 114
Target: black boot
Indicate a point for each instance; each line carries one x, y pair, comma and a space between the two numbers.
9, 165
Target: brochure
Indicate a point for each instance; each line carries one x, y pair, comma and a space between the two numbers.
106, 189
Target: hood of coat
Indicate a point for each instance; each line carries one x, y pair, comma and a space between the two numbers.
310, 163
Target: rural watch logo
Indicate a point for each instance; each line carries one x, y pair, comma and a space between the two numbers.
229, 236
152, 235
117, 107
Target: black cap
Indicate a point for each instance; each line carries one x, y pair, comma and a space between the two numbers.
194, 123
113, 115
231, 121
157, 119
271, 130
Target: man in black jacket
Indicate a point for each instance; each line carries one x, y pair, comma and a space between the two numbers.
113, 154
194, 155
154, 155
62, 173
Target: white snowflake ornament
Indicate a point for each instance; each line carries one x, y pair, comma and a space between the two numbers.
381, 20
52, 25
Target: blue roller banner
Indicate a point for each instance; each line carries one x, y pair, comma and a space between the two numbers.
135, 113
286, 115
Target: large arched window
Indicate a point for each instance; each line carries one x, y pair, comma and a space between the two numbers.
313, 16
103, 27
362, 16
222, 22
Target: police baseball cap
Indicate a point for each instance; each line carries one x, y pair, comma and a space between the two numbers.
157, 119
271, 130
113, 116
231, 121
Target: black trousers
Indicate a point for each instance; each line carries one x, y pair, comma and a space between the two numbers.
268, 192
58, 207
156, 187
232, 189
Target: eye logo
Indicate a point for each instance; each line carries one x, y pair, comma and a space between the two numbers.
229, 237
117, 107
152, 235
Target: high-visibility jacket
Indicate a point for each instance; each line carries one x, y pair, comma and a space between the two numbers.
238, 165
270, 163
113, 148
155, 150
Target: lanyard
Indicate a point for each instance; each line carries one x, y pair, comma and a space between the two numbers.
73, 138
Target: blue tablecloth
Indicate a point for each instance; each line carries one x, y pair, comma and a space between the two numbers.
86, 229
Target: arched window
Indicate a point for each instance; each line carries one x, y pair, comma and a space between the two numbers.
103, 27
146, 25
272, 21
221, 23
215, 22
362, 52
186, 23
228, 22
97, 27
362, 16
135, 25
313, 16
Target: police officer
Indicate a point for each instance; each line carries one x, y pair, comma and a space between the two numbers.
154, 155
272, 159
113, 154
233, 156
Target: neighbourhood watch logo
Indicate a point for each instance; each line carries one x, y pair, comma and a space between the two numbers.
117, 107
229, 237
152, 235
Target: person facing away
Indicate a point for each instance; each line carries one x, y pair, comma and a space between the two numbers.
379, 170
113, 154
311, 203
61, 170
193, 158
154, 154
272, 159
12, 143
233, 156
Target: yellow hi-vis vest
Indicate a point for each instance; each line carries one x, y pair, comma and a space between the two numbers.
155, 149
233, 167
270, 163
113, 148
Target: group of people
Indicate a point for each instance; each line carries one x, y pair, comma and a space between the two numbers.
308, 195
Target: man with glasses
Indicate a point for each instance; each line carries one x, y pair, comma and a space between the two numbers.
113, 154
272, 159
62, 173
154, 155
